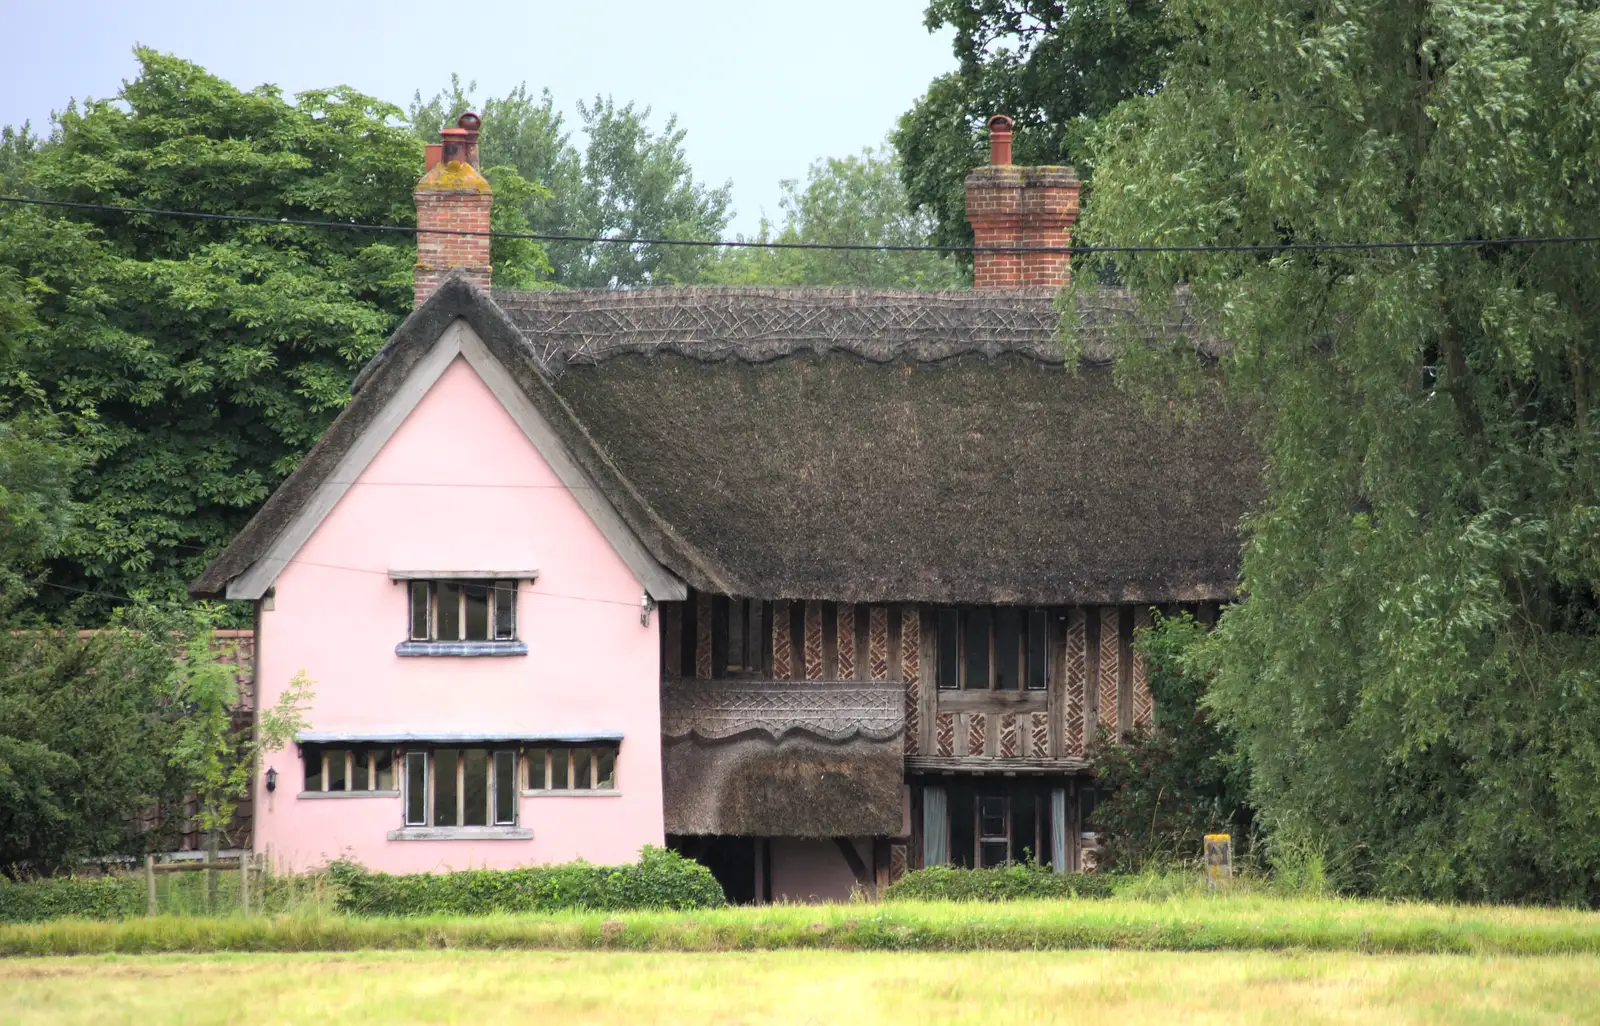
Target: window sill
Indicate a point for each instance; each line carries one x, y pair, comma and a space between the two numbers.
461, 648
319, 795
572, 794
461, 833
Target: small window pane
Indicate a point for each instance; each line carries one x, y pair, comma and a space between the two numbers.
977, 661
536, 768
949, 635
505, 610
738, 621
358, 771
385, 762
312, 757
336, 779
416, 788
992, 817
1007, 648
419, 610
606, 769
445, 805
993, 854
581, 759
449, 603
1038, 648
963, 821
559, 768
1024, 827
477, 596
505, 787
475, 786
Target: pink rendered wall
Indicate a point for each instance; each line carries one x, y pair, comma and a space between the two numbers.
460, 487
810, 870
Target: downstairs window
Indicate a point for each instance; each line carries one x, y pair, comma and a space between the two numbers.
583, 768
329, 769
447, 787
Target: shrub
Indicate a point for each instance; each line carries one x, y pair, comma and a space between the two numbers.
107, 897
1011, 883
661, 879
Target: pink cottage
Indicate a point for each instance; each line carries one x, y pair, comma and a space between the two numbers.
813, 585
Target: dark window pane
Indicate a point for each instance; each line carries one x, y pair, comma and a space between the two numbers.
445, 804
385, 760
994, 854
475, 787
505, 787
448, 601
1047, 847
416, 788
477, 596
963, 839
559, 769
977, 675
1086, 803
1038, 648
992, 817
606, 769
336, 781
358, 772
949, 637
419, 610
755, 638
1024, 827
581, 758
536, 768
312, 757
505, 610
738, 622
1007, 648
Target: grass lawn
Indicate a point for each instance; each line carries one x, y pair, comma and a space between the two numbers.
1182, 923
831, 987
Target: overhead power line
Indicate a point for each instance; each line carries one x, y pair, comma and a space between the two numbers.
1262, 247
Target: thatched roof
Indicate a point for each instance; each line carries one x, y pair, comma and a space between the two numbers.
797, 787
723, 710
849, 445
896, 446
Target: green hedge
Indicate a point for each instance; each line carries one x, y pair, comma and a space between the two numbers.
1011, 883
661, 879
105, 897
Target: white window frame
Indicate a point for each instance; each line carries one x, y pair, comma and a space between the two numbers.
429, 759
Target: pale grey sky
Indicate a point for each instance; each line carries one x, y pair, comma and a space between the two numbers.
762, 88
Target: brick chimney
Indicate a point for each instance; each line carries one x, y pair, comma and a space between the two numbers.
452, 195
1020, 206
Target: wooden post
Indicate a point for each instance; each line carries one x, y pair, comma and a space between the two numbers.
150, 881
244, 882
1219, 861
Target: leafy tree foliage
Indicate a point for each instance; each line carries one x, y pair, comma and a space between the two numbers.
193, 362
83, 741
1055, 66
1412, 674
857, 201
1162, 790
629, 182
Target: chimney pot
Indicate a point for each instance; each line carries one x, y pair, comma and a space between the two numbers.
433, 154
1000, 140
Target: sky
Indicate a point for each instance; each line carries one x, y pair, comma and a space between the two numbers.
762, 88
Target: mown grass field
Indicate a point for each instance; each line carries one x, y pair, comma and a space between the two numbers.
597, 988
1178, 923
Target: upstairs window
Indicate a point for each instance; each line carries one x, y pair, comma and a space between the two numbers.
463, 610
738, 636
993, 648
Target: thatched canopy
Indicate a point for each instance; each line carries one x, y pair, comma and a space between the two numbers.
880, 447
797, 787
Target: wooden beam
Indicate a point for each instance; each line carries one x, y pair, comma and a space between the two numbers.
858, 868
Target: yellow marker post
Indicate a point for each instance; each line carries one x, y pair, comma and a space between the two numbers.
1219, 861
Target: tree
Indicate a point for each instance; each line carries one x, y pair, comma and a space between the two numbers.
193, 362
1164, 788
218, 759
1412, 674
1054, 66
856, 201
83, 741
630, 183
